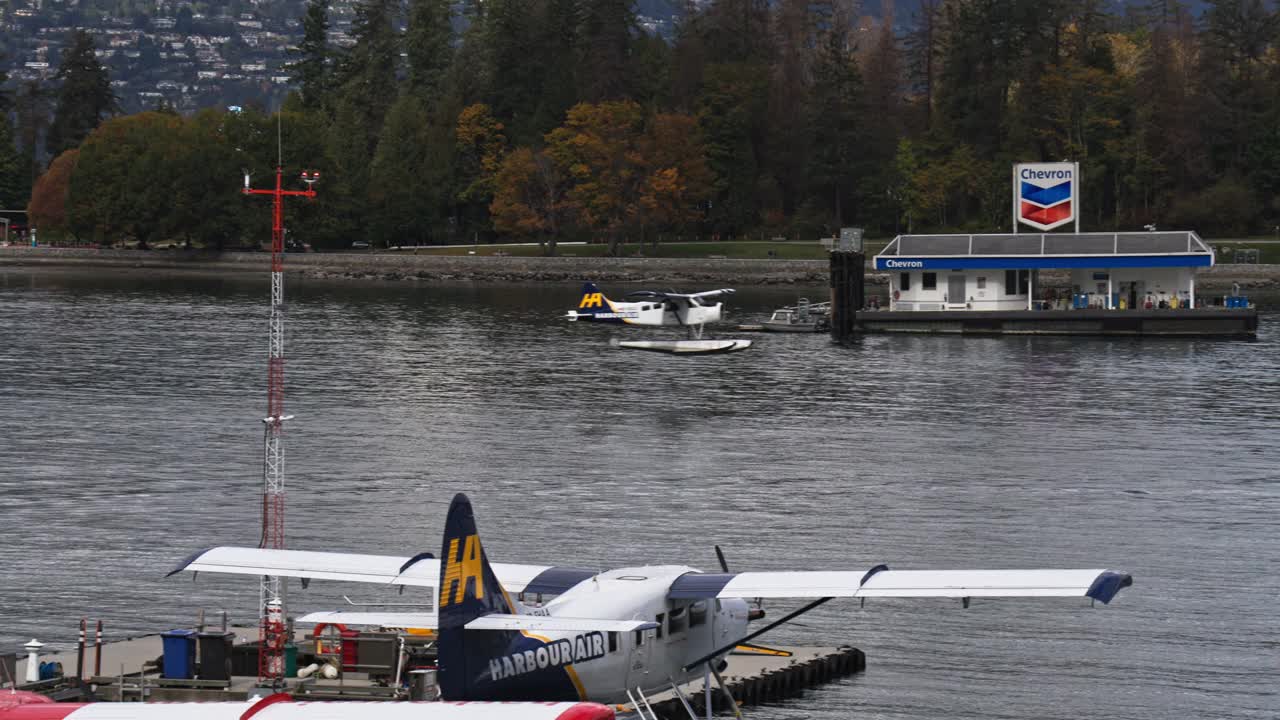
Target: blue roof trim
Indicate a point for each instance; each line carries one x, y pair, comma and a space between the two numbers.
1107, 584
555, 580
187, 561
879, 568
1038, 262
414, 561
696, 586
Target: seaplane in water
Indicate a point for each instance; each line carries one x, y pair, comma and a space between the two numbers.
656, 308
563, 633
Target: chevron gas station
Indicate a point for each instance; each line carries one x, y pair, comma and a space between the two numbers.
1125, 283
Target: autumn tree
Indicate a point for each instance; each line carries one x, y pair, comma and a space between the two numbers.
48, 207
529, 198
597, 149
481, 145
678, 181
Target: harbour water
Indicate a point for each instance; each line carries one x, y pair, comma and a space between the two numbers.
130, 436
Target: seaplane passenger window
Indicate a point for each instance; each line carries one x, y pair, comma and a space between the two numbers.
698, 613
677, 621
613, 642
658, 619
929, 281
639, 638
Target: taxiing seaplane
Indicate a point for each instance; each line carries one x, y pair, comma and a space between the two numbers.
655, 308
539, 633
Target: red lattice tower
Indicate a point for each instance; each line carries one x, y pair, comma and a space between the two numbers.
272, 634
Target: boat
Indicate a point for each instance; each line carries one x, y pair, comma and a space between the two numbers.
804, 316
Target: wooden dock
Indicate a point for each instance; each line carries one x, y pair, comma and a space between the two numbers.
758, 679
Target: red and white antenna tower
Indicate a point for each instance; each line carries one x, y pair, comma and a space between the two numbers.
272, 630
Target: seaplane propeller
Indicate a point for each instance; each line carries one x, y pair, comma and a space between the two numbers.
756, 611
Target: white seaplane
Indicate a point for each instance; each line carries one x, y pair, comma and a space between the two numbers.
539, 633
655, 308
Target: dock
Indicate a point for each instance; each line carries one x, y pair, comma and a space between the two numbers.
130, 672
759, 679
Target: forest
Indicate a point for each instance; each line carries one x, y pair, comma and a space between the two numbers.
548, 120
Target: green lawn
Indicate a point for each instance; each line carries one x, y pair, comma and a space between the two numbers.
746, 250
1268, 253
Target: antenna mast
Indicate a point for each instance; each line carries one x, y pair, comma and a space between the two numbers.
272, 630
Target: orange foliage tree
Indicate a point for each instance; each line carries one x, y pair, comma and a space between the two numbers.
626, 170
47, 209
529, 199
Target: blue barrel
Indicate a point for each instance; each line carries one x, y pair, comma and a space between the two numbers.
179, 654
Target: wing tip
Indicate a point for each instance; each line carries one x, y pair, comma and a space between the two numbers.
1107, 584
186, 562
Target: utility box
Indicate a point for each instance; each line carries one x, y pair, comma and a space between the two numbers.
215, 655
179, 654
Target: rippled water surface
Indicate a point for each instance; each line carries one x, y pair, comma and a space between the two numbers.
130, 435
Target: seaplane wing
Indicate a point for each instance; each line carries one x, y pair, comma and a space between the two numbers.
493, 621
551, 623
424, 620
880, 582
420, 570
681, 298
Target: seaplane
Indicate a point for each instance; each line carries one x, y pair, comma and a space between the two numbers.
515, 632
656, 308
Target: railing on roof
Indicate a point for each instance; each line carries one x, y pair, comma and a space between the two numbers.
1170, 242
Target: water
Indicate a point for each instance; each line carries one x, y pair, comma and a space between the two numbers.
130, 436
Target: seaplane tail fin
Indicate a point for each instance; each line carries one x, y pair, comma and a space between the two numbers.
469, 590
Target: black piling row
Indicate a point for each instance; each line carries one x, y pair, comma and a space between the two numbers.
848, 292
773, 686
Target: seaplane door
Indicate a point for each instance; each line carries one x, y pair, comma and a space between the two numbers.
641, 642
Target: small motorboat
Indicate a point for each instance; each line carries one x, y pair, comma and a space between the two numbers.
804, 316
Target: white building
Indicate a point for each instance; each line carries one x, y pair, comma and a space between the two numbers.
1115, 271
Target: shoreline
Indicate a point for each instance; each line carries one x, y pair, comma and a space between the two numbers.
407, 267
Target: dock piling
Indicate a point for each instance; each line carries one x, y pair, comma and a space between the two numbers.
848, 292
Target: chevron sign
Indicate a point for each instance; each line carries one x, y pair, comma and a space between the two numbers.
1045, 194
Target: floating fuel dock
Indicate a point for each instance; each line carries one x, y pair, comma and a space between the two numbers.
133, 671
1134, 284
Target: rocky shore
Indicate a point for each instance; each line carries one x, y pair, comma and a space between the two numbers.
409, 267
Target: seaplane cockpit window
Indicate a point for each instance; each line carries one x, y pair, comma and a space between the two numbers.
613, 642
658, 619
677, 620
639, 638
698, 613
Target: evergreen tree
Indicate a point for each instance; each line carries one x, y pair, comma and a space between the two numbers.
407, 187
511, 70
311, 70
836, 115
557, 47
605, 39
14, 187
368, 73
429, 45
84, 96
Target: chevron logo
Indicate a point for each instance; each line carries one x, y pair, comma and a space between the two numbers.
1045, 192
